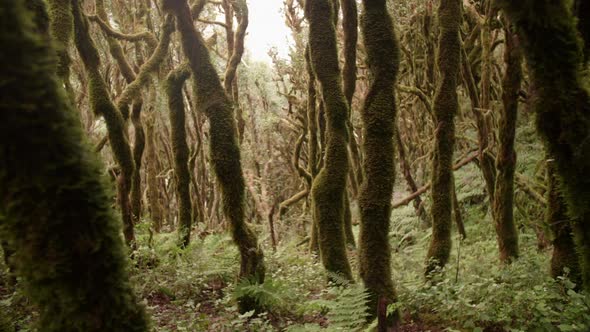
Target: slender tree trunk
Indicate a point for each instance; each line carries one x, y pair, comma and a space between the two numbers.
64, 232
330, 183
553, 51
379, 112
153, 196
350, 26
174, 83
445, 108
503, 206
225, 151
412, 186
102, 104
138, 149
312, 144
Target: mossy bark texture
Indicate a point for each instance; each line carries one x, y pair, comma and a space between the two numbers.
554, 54
503, 207
101, 104
55, 204
445, 108
378, 114
329, 185
61, 27
225, 151
564, 251
174, 84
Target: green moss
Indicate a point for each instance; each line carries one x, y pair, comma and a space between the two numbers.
55, 204
445, 108
564, 252
224, 147
554, 54
61, 28
101, 104
378, 115
503, 207
174, 84
138, 149
329, 185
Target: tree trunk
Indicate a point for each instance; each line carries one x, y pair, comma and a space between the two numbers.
330, 184
174, 83
445, 108
102, 104
553, 51
503, 203
379, 112
564, 250
225, 151
59, 220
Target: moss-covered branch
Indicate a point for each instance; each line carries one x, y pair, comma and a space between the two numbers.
146, 36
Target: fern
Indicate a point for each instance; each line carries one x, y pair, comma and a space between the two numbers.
271, 295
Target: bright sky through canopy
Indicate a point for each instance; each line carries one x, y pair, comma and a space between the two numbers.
266, 29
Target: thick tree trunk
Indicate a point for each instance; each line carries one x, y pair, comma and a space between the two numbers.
445, 108
553, 51
330, 184
379, 112
67, 242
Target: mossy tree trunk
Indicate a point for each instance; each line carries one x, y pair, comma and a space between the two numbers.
445, 108
503, 207
174, 84
554, 54
225, 151
330, 184
101, 104
61, 27
564, 251
153, 195
350, 29
312, 144
55, 206
378, 114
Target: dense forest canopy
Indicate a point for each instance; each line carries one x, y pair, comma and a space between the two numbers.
295, 165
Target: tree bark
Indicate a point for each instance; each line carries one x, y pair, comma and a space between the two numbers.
225, 151
554, 54
503, 203
379, 112
330, 184
56, 210
445, 108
